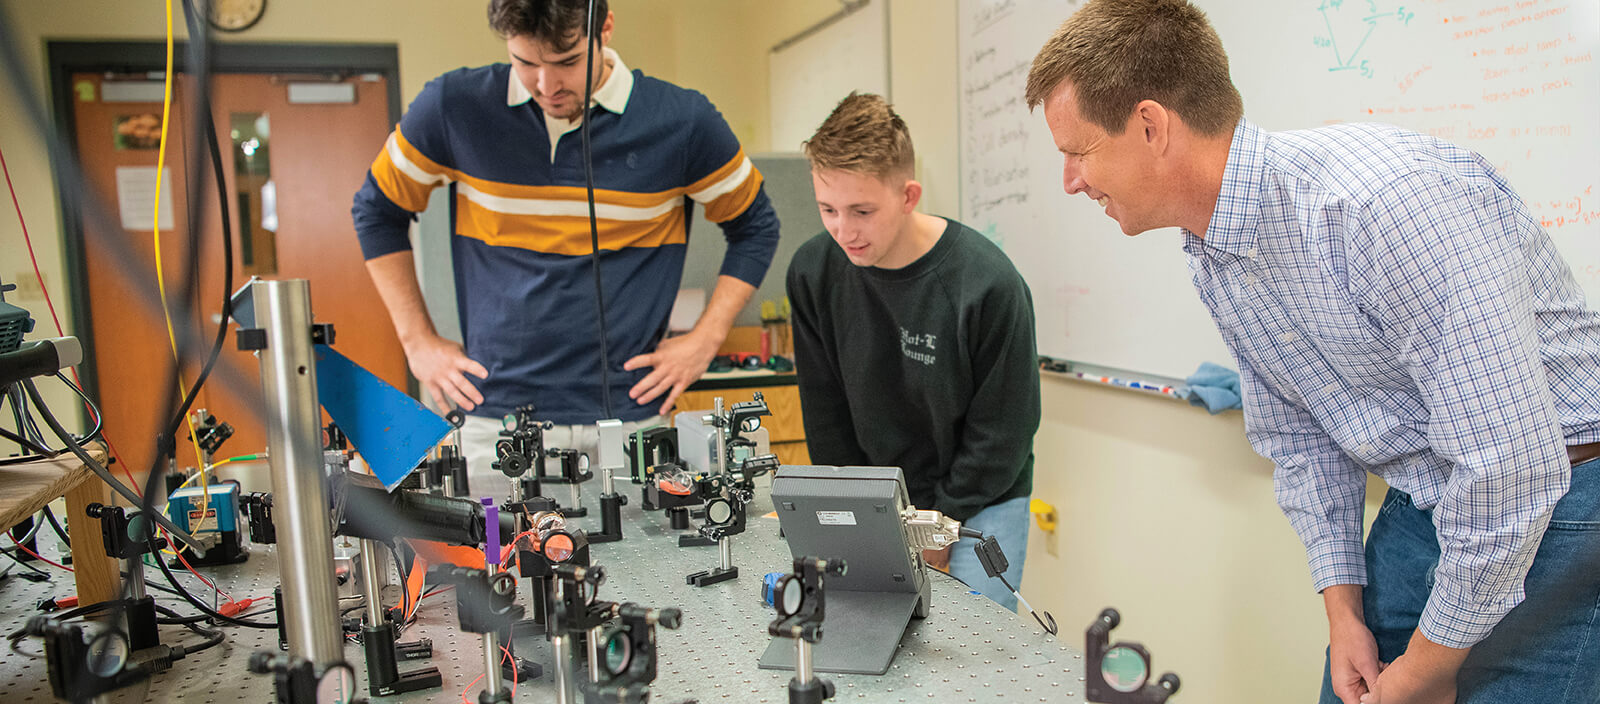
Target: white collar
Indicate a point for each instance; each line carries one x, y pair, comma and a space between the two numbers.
612, 95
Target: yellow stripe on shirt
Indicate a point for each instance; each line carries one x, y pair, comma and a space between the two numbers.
730, 189
564, 234
602, 196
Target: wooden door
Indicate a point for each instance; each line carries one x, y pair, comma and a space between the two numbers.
317, 155
131, 350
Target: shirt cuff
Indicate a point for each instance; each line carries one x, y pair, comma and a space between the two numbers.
1454, 619
744, 268
377, 242
1337, 561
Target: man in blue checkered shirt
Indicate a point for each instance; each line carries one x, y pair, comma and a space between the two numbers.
1393, 308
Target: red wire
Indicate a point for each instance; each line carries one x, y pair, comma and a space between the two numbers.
17, 204
179, 553
35, 555
513, 662
503, 661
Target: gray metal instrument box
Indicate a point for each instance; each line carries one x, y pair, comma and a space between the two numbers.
852, 513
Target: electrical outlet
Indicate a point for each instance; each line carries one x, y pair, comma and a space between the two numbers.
28, 285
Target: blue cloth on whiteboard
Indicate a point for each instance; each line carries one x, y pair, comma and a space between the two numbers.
1214, 386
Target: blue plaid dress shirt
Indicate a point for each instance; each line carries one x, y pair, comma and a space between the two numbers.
1394, 308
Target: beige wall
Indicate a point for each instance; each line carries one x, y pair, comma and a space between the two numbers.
1165, 512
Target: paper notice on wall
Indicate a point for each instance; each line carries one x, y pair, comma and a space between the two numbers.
136, 195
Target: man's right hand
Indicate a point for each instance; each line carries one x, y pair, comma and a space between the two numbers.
441, 367
1352, 651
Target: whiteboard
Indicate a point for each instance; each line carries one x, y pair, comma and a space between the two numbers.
809, 77
1514, 80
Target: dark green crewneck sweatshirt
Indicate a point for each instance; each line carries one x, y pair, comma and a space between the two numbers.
931, 368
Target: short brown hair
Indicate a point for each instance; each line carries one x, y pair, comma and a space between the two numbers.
561, 23
863, 135
1119, 52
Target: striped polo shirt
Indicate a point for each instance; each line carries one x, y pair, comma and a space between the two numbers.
521, 246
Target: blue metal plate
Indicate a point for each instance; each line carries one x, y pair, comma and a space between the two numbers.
392, 431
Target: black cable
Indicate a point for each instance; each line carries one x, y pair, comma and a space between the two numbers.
176, 620
99, 419
198, 604
99, 222
56, 525
213, 636
95, 466
183, 620
72, 613
1048, 628
405, 578
152, 585
28, 445
32, 532
198, 65
213, 639
24, 418
201, 119
594, 227
13, 555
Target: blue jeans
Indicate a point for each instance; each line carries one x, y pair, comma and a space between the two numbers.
1007, 521
1546, 650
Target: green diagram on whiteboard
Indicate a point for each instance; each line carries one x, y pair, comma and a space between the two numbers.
1342, 14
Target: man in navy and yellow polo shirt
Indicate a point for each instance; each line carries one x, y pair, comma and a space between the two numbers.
507, 136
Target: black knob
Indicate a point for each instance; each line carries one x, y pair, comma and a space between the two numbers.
1111, 617
1170, 683
670, 618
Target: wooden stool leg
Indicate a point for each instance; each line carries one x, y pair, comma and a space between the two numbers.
98, 577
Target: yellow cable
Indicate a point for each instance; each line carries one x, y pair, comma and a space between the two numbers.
161, 279
215, 465
205, 499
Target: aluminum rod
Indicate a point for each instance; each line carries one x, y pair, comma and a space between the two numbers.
722, 438
561, 646
595, 635
491, 664
802, 660
372, 585
294, 452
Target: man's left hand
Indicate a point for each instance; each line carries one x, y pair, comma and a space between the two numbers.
677, 363
1425, 674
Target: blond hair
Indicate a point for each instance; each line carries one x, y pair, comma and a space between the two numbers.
865, 136
1116, 53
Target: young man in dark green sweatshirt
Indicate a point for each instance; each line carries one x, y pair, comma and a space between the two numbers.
914, 341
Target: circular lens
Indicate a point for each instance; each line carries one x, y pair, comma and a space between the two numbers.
719, 512
503, 584
791, 593
107, 653
558, 547
138, 527
338, 685
618, 651
510, 421
1124, 669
